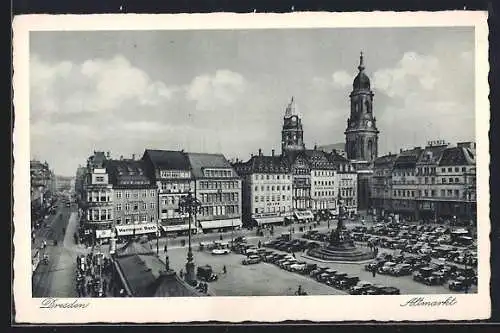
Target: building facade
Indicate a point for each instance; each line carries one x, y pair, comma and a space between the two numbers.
172, 174
381, 190
324, 188
266, 189
42, 181
404, 183
218, 187
134, 199
347, 182
97, 206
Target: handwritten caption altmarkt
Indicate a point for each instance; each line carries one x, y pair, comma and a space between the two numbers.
421, 301
54, 303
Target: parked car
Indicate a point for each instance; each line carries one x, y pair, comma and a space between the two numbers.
309, 268
400, 270
375, 289
359, 288
389, 291
319, 270
221, 251
205, 273
348, 282
386, 268
460, 283
253, 259
298, 267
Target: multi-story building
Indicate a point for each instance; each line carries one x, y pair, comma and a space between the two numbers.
426, 172
97, 206
381, 192
404, 183
324, 188
266, 189
456, 182
347, 182
134, 199
171, 170
218, 187
42, 181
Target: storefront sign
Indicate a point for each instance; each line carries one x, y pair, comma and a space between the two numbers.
103, 233
138, 229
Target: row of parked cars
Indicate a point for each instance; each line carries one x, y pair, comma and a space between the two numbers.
294, 245
423, 270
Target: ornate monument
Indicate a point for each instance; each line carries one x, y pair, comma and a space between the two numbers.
340, 246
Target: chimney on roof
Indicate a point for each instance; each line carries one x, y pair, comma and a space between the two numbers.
251, 155
315, 147
260, 152
108, 155
133, 157
400, 150
121, 157
272, 152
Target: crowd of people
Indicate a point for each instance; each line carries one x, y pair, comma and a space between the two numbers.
92, 275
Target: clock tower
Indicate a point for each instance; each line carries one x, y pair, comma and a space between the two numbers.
292, 134
361, 132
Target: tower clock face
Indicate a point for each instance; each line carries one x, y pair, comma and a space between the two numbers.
369, 123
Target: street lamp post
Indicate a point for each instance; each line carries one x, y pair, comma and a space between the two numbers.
190, 205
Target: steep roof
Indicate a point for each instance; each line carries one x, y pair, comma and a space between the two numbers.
385, 160
133, 248
201, 161
334, 146
431, 154
145, 276
264, 164
128, 174
457, 156
318, 159
408, 158
167, 159
336, 158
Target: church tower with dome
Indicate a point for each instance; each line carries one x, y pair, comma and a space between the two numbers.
361, 132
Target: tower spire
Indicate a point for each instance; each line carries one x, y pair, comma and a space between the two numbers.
361, 66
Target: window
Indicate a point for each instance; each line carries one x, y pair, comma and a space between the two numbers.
152, 205
456, 169
99, 178
136, 194
127, 206
152, 193
144, 194
457, 180
457, 193
450, 169
127, 194
256, 188
118, 194
144, 206
443, 169
256, 211
118, 207
463, 169
444, 180
443, 193
433, 193
450, 180
136, 207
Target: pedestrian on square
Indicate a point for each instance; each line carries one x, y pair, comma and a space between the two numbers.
293, 254
374, 271
259, 244
104, 285
224, 269
165, 248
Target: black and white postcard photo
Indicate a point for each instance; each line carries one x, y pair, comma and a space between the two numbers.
251, 167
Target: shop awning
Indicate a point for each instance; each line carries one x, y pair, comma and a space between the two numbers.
140, 229
302, 215
216, 224
266, 220
106, 233
177, 227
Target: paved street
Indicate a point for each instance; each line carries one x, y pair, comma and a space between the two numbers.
57, 278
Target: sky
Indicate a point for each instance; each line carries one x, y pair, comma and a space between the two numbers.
225, 91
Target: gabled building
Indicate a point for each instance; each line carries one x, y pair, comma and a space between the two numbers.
134, 198
456, 185
324, 188
266, 189
218, 187
171, 172
381, 191
97, 210
404, 183
346, 178
427, 180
